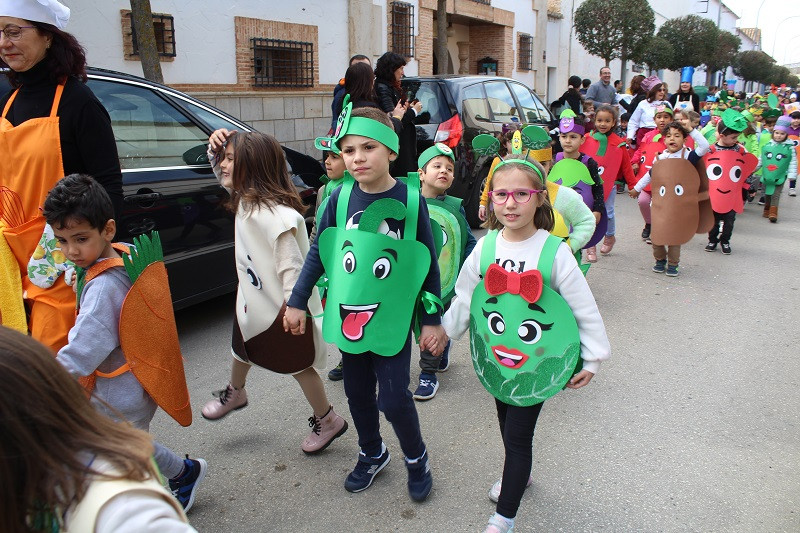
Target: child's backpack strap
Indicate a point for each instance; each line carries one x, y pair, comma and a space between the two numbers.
487, 252
412, 205
343, 202
547, 258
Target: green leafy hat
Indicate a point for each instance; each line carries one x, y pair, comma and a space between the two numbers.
748, 116
435, 151
347, 124
771, 113
734, 120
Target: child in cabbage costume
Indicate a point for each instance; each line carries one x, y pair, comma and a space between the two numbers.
376, 248
534, 326
455, 242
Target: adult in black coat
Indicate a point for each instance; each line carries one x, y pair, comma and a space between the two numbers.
389, 91
638, 93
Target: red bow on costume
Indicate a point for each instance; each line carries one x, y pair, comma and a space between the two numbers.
528, 284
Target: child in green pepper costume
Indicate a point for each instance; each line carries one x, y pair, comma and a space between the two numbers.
376, 247
778, 163
436, 172
532, 319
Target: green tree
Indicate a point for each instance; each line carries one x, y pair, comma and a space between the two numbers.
637, 22
596, 29
142, 16
727, 47
753, 65
659, 54
613, 29
693, 38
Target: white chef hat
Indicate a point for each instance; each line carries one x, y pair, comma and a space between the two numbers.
47, 11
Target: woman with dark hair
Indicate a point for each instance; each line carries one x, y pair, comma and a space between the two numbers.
52, 125
67, 467
685, 93
388, 73
638, 93
359, 83
571, 96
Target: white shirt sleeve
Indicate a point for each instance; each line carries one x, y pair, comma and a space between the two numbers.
571, 284
643, 182
456, 319
139, 511
701, 145
633, 123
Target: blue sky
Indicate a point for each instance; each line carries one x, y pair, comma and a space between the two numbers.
779, 21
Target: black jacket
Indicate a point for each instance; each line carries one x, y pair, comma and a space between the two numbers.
406, 160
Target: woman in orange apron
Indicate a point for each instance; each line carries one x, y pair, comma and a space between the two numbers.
51, 125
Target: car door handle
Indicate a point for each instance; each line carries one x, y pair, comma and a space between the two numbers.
146, 197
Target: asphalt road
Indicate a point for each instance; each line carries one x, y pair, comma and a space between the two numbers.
692, 426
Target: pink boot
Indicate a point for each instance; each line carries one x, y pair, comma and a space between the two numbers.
608, 244
226, 401
323, 431
591, 254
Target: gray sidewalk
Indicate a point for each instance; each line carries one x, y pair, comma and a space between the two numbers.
692, 426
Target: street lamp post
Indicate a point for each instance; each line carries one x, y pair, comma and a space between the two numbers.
775, 40
758, 15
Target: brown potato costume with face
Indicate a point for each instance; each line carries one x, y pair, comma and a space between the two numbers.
680, 205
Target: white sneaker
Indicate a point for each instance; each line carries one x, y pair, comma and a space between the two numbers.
792, 192
494, 492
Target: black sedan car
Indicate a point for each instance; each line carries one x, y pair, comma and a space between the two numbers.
457, 108
162, 135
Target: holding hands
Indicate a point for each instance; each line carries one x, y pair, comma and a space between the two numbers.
433, 339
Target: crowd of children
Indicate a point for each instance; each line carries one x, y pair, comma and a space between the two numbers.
395, 260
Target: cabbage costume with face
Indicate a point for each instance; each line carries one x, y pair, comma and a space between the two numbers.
776, 158
524, 338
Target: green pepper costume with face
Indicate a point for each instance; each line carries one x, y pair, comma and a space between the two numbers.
523, 336
775, 159
375, 280
447, 214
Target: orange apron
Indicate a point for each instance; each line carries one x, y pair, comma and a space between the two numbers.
30, 164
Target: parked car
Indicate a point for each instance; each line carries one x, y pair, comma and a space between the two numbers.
168, 185
457, 108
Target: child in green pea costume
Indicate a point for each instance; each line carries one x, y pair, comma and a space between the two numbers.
376, 247
531, 318
436, 172
778, 163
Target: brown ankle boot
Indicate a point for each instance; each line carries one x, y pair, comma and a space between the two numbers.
766, 209
773, 213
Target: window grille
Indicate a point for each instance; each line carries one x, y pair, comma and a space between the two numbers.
484, 2
279, 63
403, 28
525, 59
164, 28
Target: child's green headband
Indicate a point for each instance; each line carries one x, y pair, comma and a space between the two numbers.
521, 162
435, 151
365, 127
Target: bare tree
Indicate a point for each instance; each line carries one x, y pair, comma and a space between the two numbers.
441, 37
142, 16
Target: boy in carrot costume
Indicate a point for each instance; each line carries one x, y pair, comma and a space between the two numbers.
119, 365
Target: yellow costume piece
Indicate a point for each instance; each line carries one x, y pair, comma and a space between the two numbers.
12, 310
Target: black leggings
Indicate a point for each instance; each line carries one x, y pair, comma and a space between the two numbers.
517, 425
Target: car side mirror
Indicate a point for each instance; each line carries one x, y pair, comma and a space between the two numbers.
196, 156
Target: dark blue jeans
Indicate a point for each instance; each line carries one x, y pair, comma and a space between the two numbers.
391, 375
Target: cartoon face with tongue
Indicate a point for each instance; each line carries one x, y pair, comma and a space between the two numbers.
523, 337
374, 281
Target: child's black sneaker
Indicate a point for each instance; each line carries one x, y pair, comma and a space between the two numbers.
660, 266
365, 471
726, 248
184, 487
762, 200
646, 232
420, 479
672, 271
710, 247
336, 373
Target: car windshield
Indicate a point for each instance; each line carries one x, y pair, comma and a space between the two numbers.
434, 106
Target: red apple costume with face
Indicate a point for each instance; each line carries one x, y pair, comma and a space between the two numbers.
726, 171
